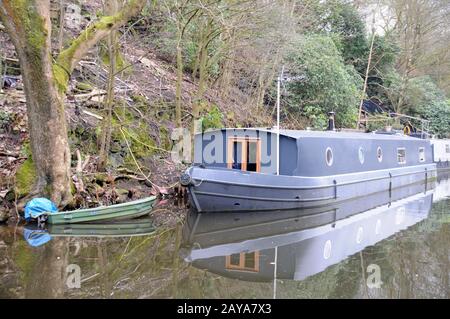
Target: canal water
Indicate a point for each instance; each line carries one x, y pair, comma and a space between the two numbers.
393, 245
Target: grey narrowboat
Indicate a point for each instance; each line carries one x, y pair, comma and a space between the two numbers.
266, 169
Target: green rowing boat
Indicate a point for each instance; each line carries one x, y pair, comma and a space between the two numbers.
103, 230
114, 212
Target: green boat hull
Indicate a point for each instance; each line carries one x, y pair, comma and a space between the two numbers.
114, 212
122, 229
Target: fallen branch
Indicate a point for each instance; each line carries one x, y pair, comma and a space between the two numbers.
8, 154
99, 117
87, 96
10, 59
133, 177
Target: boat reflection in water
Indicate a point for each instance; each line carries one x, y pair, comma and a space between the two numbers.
297, 244
36, 236
442, 190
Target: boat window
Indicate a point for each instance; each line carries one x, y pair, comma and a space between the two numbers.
243, 261
329, 156
447, 148
401, 155
252, 156
237, 155
421, 154
379, 154
235, 260
361, 155
244, 154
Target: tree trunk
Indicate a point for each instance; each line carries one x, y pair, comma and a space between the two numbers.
62, 16
179, 79
28, 24
48, 277
202, 64
1, 74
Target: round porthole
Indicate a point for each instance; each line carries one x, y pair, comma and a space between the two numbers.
379, 154
361, 155
329, 156
359, 235
378, 227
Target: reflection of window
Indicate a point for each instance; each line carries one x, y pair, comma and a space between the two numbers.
447, 148
244, 154
401, 155
380, 154
361, 155
237, 155
329, 156
243, 262
252, 150
421, 154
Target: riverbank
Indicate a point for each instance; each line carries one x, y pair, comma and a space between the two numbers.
139, 162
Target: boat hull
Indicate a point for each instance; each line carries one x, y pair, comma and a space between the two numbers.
115, 212
103, 230
221, 190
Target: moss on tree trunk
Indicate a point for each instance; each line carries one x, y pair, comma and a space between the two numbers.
28, 24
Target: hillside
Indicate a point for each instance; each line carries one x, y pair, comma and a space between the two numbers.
145, 95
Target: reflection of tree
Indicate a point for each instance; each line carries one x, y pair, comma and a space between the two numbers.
414, 264
10, 283
48, 273
34, 272
105, 282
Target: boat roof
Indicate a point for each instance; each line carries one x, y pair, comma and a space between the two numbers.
321, 134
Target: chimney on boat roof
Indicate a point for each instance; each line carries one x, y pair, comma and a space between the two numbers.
331, 126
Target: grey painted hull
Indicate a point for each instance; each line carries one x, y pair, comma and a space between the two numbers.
222, 190
205, 230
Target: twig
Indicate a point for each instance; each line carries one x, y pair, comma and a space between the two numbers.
15, 205
134, 159
140, 179
149, 146
7, 154
79, 172
86, 162
87, 96
125, 250
89, 278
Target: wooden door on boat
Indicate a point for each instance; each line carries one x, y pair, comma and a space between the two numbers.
244, 154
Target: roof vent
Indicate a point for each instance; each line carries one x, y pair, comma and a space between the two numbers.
331, 126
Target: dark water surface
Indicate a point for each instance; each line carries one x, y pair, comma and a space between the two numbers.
388, 245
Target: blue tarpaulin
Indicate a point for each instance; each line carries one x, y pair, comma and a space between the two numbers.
39, 206
36, 238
